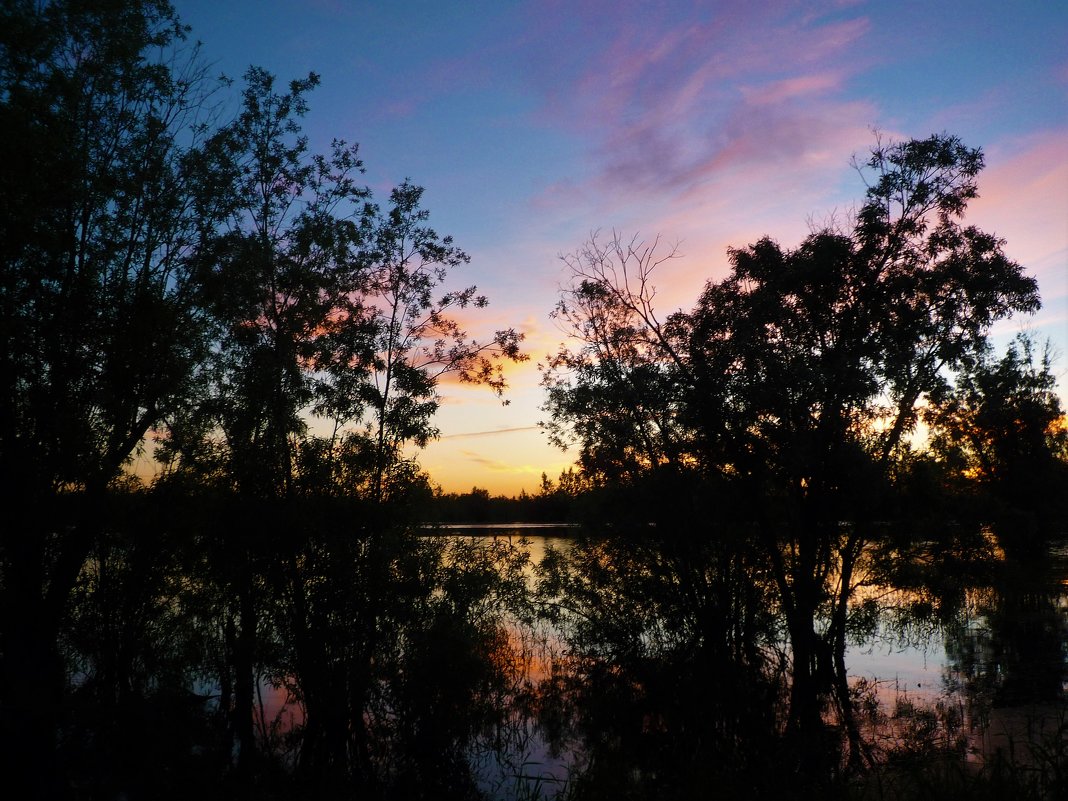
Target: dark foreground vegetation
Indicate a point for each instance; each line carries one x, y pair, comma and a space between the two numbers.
182, 279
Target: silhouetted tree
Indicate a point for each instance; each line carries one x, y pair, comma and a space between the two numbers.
284, 275
618, 394
103, 201
1001, 429
327, 311
417, 340
324, 312
219, 287
796, 378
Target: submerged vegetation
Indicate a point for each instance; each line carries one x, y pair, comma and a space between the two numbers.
275, 616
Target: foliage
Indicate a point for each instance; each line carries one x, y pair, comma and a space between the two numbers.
794, 381
104, 113
218, 287
282, 280
1002, 427
264, 622
617, 394
325, 312
104, 206
416, 340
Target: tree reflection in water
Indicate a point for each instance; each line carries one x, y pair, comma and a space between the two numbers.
671, 675
1008, 660
496, 667
674, 675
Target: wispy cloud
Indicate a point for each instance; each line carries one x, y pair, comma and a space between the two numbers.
499, 466
491, 433
669, 103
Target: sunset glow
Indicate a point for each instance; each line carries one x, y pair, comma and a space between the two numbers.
711, 124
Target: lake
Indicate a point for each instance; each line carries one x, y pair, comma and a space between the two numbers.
982, 672
608, 671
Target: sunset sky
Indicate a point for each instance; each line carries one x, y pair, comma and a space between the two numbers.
532, 124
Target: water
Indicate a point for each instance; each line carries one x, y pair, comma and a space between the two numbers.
916, 667
990, 674
979, 674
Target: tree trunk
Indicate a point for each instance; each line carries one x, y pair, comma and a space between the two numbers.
36, 588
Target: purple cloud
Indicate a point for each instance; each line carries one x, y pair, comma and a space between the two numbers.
666, 103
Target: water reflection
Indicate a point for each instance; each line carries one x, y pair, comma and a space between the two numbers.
673, 675
1008, 661
521, 759
512, 662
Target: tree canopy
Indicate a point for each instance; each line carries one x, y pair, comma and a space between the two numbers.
796, 380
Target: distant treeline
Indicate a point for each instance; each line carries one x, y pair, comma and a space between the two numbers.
564, 501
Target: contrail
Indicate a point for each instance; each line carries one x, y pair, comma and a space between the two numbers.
491, 433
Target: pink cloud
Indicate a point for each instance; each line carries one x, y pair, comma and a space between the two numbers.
658, 54
1024, 199
797, 136
791, 88
667, 105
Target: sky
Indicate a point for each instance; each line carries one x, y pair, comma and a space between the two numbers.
533, 125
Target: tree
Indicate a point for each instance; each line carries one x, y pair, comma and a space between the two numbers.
219, 288
281, 276
284, 276
1001, 429
327, 312
324, 314
417, 341
801, 373
615, 395
103, 202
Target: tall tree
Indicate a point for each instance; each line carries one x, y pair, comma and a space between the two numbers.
324, 317
418, 340
284, 275
102, 202
327, 312
801, 374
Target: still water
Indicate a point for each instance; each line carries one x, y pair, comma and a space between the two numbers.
974, 668
909, 665
983, 671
